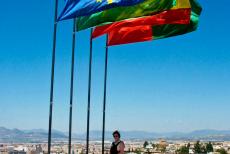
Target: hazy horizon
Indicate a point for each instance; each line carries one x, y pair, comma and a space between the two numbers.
64, 131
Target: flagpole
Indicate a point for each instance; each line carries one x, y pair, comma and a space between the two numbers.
71, 85
104, 98
89, 92
52, 76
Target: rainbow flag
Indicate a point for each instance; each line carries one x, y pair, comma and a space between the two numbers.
146, 32
148, 7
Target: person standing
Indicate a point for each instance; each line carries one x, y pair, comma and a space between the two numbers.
118, 146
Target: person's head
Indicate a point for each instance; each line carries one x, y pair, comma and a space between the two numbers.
116, 135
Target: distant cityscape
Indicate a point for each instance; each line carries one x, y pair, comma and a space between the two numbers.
131, 147
15, 141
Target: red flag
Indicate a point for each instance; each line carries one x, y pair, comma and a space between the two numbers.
128, 35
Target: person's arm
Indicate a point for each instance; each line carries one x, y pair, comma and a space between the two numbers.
121, 148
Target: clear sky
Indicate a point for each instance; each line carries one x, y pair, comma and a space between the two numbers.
176, 84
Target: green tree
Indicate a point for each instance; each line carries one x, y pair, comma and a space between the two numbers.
222, 151
183, 150
203, 149
209, 147
145, 144
188, 145
137, 151
153, 145
163, 149
197, 147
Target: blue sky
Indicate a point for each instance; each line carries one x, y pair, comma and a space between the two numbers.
176, 84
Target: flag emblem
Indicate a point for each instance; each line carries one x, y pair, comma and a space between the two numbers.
110, 1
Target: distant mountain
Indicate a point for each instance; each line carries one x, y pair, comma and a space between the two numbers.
16, 135
208, 132
40, 135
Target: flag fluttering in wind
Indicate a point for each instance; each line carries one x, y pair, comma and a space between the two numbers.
147, 7
147, 31
126, 35
78, 8
179, 16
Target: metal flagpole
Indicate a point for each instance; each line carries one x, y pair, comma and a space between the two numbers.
104, 98
52, 76
71, 85
89, 92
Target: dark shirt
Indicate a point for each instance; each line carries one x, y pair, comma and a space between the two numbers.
113, 149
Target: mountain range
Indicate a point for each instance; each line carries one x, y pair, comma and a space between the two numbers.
40, 135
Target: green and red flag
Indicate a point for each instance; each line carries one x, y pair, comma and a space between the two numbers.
148, 7
147, 32
179, 16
